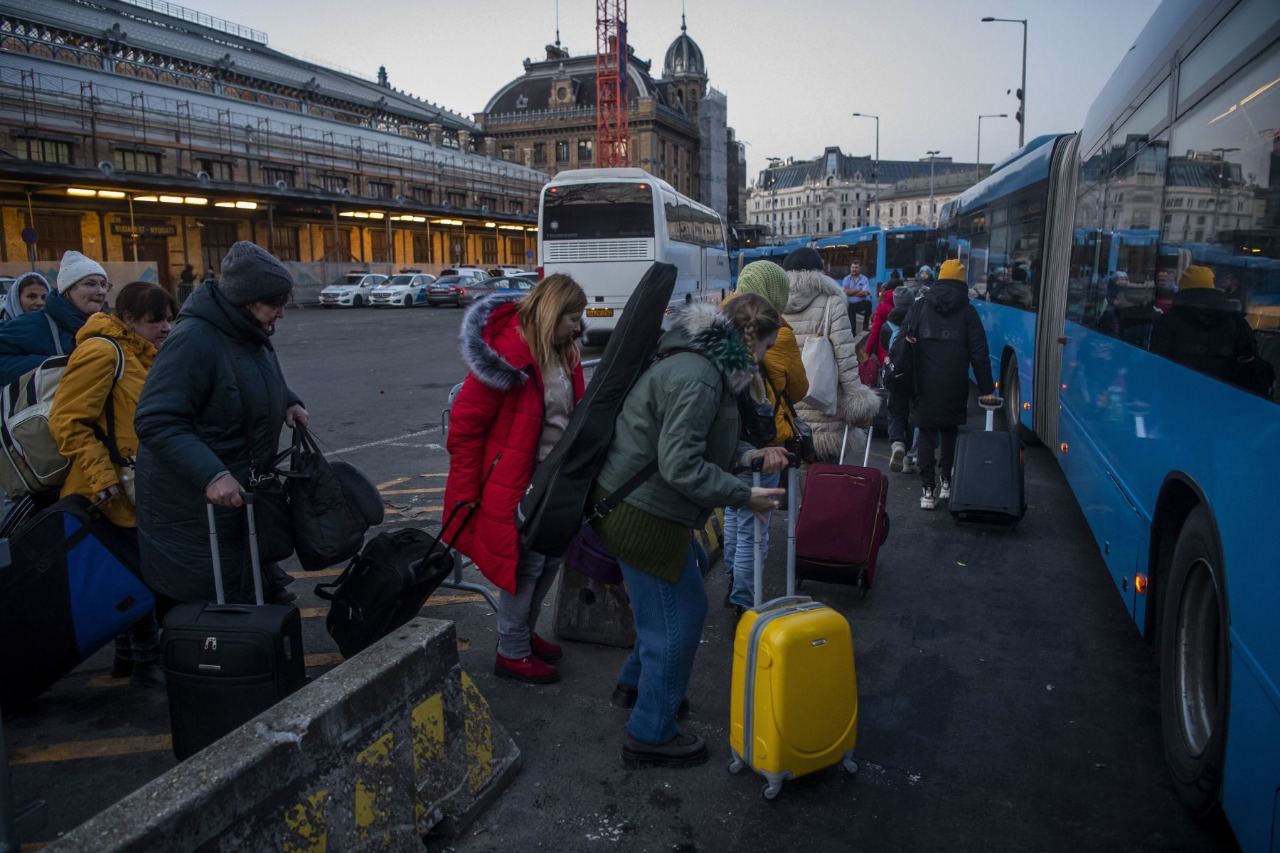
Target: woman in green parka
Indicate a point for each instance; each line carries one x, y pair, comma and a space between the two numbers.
683, 412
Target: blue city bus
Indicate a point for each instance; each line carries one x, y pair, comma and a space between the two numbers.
1075, 247
879, 251
778, 253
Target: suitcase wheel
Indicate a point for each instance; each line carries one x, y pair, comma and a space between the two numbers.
848, 764
735, 764
863, 586
771, 790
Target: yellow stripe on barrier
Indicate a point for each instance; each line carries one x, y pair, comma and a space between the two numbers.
306, 830
373, 799
79, 750
479, 734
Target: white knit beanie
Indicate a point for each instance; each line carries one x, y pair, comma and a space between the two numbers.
74, 267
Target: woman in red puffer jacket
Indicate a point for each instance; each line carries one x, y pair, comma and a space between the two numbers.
525, 378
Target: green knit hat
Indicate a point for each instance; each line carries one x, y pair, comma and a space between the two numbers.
767, 279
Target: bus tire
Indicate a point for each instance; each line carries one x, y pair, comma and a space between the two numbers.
1011, 391
1194, 666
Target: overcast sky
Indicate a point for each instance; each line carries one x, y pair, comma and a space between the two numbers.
793, 70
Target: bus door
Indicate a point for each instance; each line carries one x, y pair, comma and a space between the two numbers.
1052, 304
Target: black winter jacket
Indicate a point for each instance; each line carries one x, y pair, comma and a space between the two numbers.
190, 428
949, 340
1201, 331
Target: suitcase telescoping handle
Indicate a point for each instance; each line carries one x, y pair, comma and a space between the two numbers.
866, 453
247, 497
991, 412
758, 531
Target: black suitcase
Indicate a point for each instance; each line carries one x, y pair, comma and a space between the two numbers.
71, 587
227, 663
987, 480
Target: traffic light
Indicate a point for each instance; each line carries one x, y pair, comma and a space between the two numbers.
1021, 103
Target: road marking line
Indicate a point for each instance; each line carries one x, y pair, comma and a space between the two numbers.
321, 573
106, 681
103, 748
446, 474
393, 482
353, 448
328, 659
436, 490
434, 601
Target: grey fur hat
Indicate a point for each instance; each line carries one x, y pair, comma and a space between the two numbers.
252, 274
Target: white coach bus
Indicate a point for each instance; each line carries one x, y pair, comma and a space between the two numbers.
605, 227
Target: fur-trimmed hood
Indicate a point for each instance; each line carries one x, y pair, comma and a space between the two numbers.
492, 347
808, 285
700, 326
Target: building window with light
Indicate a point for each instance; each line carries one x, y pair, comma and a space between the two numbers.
334, 183
218, 170
586, 150
44, 150
272, 175
129, 160
562, 151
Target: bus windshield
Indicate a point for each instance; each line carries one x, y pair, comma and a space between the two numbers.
597, 212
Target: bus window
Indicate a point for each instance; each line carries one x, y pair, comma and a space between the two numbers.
672, 211
597, 212
1216, 216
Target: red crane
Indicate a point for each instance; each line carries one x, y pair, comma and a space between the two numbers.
611, 83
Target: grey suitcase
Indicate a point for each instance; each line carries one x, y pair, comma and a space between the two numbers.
987, 482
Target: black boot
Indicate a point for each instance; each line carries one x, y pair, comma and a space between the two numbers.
149, 674
122, 663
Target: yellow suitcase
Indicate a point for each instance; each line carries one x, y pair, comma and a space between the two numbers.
795, 688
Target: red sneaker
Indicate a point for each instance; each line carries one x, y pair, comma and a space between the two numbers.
528, 669
545, 650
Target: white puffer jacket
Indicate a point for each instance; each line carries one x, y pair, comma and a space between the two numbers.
856, 404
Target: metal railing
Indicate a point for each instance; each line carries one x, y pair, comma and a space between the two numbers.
173, 10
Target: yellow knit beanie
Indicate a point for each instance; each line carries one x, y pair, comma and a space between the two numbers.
1196, 277
952, 269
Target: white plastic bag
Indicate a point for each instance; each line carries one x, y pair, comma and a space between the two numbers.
819, 359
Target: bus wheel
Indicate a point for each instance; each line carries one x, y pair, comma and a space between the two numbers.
1011, 391
1194, 668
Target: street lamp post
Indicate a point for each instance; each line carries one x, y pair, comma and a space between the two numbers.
773, 197
931, 155
875, 168
977, 163
1022, 99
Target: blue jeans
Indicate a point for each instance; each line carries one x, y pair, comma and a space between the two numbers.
669, 619
739, 536
518, 614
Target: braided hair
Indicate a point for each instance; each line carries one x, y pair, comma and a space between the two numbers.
753, 317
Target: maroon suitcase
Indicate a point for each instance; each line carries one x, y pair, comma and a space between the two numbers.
843, 522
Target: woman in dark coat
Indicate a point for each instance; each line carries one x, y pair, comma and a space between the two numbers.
191, 428
949, 338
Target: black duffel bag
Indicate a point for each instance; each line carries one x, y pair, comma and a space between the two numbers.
328, 528
386, 585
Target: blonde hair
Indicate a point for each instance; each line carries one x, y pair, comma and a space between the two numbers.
540, 311
754, 318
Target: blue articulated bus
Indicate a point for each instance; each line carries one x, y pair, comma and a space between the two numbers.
1154, 386
879, 251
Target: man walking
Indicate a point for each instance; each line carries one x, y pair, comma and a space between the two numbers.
948, 338
857, 292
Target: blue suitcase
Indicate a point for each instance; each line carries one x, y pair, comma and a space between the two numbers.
71, 588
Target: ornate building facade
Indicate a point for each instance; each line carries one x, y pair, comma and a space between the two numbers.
162, 137
833, 192
546, 118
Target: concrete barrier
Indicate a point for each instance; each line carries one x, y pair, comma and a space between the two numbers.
395, 743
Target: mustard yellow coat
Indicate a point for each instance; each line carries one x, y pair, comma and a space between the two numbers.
81, 401
785, 369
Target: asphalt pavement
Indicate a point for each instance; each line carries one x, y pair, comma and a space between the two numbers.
1007, 701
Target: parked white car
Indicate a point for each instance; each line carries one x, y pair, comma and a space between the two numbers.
352, 291
466, 273
402, 291
507, 271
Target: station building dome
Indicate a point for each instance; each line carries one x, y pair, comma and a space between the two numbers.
683, 57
